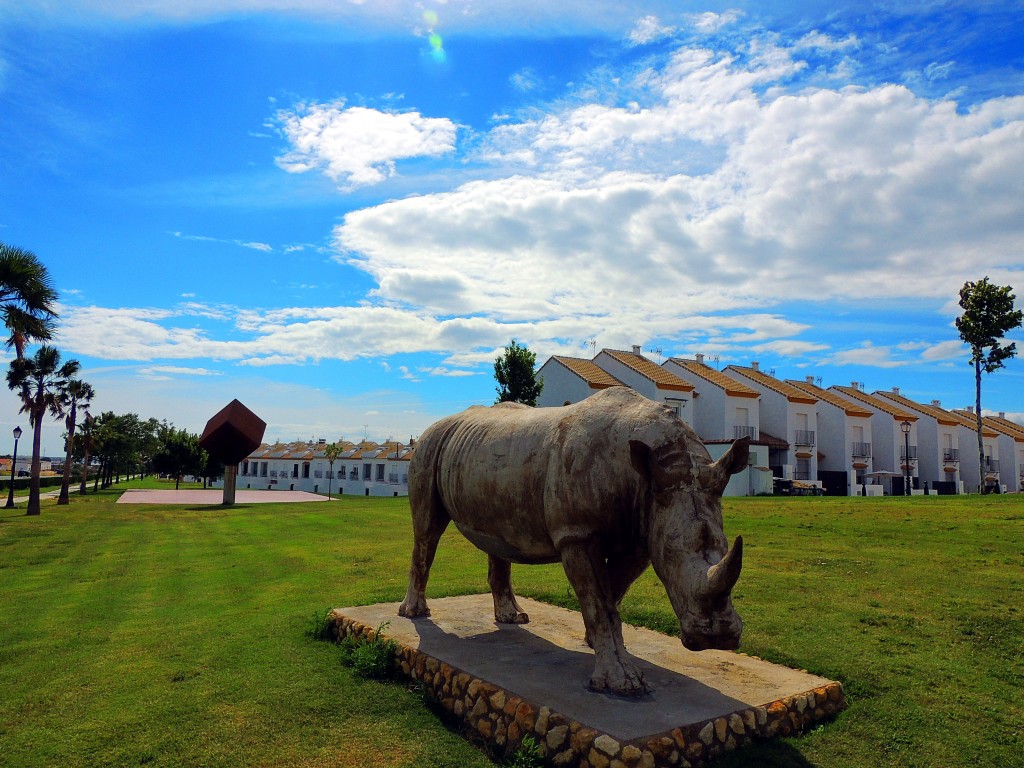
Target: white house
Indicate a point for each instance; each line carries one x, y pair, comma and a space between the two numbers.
649, 379
1011, 450
938, 436
969, 469
790, 415
568, 380
894, 453
366, 469
844, 440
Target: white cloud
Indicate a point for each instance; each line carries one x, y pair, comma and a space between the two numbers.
648, 29
525, 80
823, 42
946, 350
441, 370
709, 22
167, 371
868, 355
206, 239
358, 146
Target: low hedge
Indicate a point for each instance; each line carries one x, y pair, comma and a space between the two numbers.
21, 483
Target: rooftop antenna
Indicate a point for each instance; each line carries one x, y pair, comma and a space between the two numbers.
592, 343
772, 373
658, 352
817, 380
717, 359
364, 432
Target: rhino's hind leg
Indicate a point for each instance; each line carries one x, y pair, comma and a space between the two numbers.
614, 670
428, 523
499, 577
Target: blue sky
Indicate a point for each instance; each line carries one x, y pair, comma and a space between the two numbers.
340, 212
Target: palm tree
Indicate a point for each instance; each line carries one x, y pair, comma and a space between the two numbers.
39, 380
331, 451
88, 438
75, 393
27, 298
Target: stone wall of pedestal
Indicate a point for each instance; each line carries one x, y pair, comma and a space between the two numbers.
500, 720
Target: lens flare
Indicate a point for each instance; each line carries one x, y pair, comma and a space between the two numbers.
430, 18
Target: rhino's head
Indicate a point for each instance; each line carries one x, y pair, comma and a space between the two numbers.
687, 544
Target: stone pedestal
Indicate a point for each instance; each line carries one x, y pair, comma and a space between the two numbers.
230, 481
505, 682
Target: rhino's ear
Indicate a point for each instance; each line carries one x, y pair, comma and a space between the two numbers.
732, 461
665, 466
735, 459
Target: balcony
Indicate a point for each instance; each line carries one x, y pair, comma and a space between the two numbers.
273, 473
803, 437
992, 465
861, 450
738, 432
904, 455
951, 454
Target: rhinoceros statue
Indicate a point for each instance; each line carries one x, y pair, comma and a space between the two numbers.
607, 487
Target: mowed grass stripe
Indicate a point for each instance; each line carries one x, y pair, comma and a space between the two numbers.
137, 635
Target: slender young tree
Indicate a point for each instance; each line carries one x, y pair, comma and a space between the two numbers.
75, 394
331, 451
514, 372
88, 437
988, 316
39, 381
27, 298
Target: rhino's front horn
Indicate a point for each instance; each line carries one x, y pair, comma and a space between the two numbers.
722, 577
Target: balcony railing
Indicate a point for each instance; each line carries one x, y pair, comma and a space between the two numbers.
991, 465
862, 450
912, 455
804, 437
738, 432
318, 473
802, 474
273, 473
951, 454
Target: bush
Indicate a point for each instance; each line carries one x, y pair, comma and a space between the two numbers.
320, 626
371, 658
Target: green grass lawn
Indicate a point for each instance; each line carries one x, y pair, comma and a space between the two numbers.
172, 636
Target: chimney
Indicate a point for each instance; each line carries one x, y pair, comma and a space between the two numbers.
1002, 414
937, 403
969, 408
636, 349
699, 357
854, 384
810, 379
755, 365
896, 391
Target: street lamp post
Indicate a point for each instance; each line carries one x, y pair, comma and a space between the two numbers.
14, 463
905, 426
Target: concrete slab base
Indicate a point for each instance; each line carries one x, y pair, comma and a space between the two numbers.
505, 682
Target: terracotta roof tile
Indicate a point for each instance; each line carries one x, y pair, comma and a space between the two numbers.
790, 392
941, 415
966, 419
850, 408
650, 370
716, 377
881, 404
589, 371
1007, 427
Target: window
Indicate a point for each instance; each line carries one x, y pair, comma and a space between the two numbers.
295, 470
263, 469
245, 467
380, 473
742, 417
367, 469
305, 470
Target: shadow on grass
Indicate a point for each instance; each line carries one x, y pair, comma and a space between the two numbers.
766, 754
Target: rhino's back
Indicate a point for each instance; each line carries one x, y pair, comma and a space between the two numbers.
517, 481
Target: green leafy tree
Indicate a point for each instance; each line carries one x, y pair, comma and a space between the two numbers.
88, 437
39, 381
180, 454
988, 316
514, 372
76, 393
332, 451
27, 298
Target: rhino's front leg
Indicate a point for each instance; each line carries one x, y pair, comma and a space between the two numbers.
429, 523
499, 577
588, 574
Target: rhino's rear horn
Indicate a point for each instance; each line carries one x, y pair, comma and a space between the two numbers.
722, 577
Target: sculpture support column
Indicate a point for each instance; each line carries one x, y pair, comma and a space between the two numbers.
230, 476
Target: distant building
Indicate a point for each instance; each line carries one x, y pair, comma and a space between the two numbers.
363, 469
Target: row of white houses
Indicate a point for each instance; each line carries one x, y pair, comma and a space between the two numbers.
366, 468
840, 439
